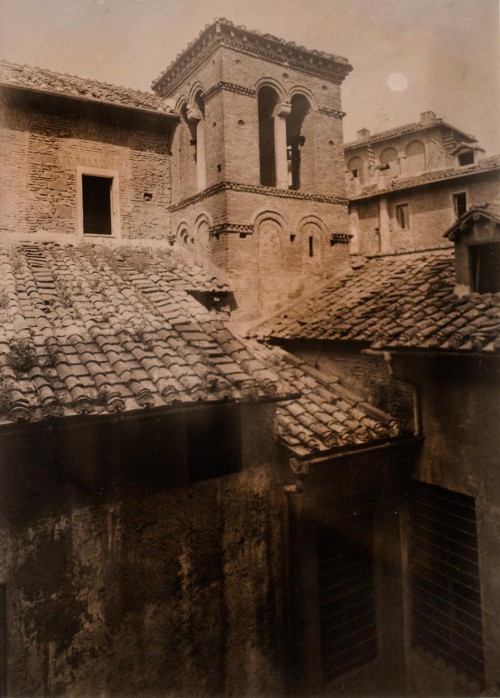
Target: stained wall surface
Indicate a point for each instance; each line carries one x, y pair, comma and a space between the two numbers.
125, 579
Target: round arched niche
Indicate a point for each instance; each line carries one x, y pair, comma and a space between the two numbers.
270, 264
312, 237
415, 157
356, 169
389, 161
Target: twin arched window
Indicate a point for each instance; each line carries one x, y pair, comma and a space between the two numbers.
281, 138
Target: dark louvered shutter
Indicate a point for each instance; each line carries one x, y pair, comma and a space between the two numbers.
444, 567
347, 596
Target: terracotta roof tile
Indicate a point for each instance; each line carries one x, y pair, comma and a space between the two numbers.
99, 342
398, 183
403, 129
400, 301
326, 415
74, 86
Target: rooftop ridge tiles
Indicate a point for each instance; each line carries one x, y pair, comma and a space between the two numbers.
406, 128
222, 21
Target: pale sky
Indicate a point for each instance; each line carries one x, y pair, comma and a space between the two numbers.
446, 52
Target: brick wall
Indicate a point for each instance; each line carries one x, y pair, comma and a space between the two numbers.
431, 212
40, 154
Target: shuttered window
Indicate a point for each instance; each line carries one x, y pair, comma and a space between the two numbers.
347, 596
444, 566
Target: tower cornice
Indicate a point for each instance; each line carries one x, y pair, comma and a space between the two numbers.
222, 32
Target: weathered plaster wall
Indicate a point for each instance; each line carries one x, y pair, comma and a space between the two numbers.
123, 579
40, 153
334, 491
460, 401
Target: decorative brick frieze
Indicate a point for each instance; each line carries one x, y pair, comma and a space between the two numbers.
257, 189
241, 229
336, 113
230, 87
225, 33
340, 238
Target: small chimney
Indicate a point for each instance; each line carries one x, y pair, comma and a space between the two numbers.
427, 118
363, 134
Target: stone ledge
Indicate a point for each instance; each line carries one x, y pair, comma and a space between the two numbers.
257, 189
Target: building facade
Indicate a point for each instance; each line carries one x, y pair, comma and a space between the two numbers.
407, 185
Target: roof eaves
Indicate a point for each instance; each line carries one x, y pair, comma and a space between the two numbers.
105, 103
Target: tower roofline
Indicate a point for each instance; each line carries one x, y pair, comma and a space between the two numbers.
223, 32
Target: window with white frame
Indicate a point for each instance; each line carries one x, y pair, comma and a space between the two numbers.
98, 204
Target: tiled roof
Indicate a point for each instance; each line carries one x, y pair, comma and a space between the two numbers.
213, 32
401, 301
326, 415
485, 165
405, 128
490, 210
73, 86
92, 329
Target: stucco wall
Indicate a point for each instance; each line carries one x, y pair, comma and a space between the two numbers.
122, 579
460, 401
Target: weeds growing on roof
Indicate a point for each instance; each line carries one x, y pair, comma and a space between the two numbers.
22, 355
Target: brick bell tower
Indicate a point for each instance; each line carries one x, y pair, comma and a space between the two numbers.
258, 163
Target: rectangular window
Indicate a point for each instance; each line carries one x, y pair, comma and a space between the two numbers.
444, 569
96, 197
347, 596
214, 442
403, 216
460, 203
466, 158
485, 267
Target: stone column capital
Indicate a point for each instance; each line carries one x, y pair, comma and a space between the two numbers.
194, 113
282, 109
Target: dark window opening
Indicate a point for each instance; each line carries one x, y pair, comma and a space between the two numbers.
355, 174
295, 139
148, 196
267, 100
444, 568
214, 442
347, 596
96, 194
466, 158
460, 203
311, 246
403, 216
3, 641
485, 267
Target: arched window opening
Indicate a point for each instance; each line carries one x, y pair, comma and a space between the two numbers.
389, 161
267, 101
295, 139
415, 157
356, 168
196, 119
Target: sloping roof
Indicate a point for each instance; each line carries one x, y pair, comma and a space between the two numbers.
93, 329
43, 80
401, 301
326, 415
406, 128
491, 211
491, 163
